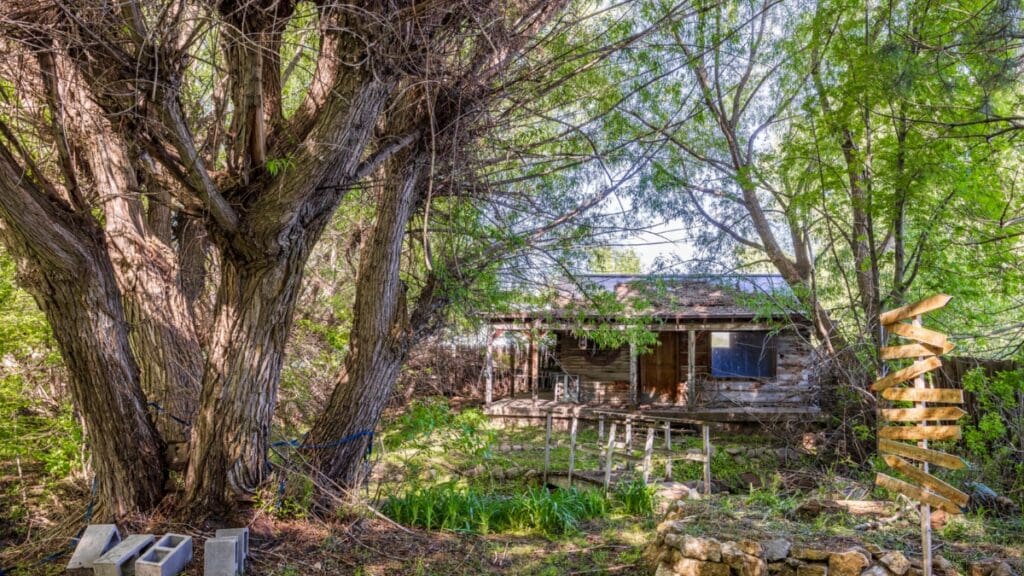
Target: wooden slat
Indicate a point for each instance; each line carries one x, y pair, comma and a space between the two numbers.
922, 454
913, 351
927, 480
940, 395
904, 374
922, 414
931, 337
915, 493
919, 432
910, 310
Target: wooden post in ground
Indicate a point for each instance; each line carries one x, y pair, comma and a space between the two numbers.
705, 431
691, 366
629, 433
600, 426
609, 450
489, 366
514, 362
648, 451
547, 446
668, 446
926, 509
572, 447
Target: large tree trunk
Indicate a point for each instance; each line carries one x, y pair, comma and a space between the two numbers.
64, 264
253, 316
378, 343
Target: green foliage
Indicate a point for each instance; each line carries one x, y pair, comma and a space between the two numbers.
998, 435
635, 497
473, 509
771, 497
605, 260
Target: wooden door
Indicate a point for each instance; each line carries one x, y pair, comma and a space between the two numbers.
659, 370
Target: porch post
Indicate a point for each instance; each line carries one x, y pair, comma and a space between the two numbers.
534, 364
691, 366
489, 367
634, 376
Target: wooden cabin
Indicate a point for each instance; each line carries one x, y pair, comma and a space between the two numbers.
726, 343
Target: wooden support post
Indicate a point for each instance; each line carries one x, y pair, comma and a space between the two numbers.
668, 446
629, 434
572, 447
705, 431
926, 509
634, 375
547, 447
648, 451
514, 361
691, 366
600, 426
609, 451
534, 365
489, 366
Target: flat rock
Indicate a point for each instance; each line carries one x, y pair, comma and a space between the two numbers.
876, 570
692, 567
983, 567
1004, 569
896, 562
775, 549
812, 554
812, 569
848, 563
707, 549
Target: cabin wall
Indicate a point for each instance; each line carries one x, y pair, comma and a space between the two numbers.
604, 375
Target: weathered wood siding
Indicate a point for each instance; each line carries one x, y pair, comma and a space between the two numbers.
793, 384
604, 376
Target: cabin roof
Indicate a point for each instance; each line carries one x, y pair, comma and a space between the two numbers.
667, 297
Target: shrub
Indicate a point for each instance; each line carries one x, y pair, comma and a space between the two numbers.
635, 497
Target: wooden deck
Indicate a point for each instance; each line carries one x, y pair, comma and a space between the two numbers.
538, 409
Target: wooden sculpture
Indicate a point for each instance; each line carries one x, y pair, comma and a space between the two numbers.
923, 422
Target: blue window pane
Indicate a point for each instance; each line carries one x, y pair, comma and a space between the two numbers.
742, 355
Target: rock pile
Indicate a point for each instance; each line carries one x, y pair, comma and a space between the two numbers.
675, 553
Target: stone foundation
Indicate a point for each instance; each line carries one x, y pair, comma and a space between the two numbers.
675, 553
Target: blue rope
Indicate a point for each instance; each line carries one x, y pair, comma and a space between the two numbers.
161, 410
297, 442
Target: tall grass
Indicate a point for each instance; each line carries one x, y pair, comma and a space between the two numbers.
472, 509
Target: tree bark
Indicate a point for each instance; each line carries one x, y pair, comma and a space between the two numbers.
63, 263
379, 341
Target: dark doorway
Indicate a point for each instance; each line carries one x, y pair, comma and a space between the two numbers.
659, 370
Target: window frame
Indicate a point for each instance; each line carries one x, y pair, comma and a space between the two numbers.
771, 346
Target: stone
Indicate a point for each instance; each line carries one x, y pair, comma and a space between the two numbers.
915, 572
732, 555
167, 557
939, 519
982, 567
733, 450
896, 562
665, 570
812, 569
1004, 569
692, 567
673, 540
781, 569
220, 557
875, 549
812, 554
671, 526
943, 567
876, 570
848, 563
95, 542
707, 549
775, 549
120, 560
751, 547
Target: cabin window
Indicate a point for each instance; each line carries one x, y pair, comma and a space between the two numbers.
742, 355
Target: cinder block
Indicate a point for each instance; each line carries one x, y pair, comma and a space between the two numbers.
167, 557
220, 556
120, 560
95, 542
242, 535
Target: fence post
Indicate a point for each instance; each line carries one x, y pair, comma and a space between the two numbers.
608, 458
572, 447
648, 451
706, 433
547, 447
668, 446
600, 427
